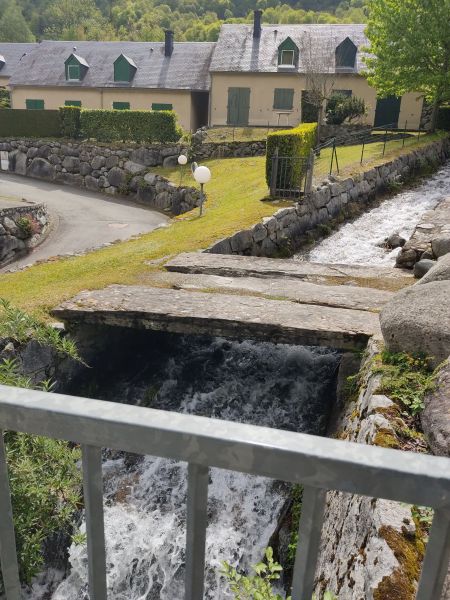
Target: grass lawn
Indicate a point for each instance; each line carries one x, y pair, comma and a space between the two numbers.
238, 134
234, 202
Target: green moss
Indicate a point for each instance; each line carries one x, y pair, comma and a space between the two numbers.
386, 438
409, 551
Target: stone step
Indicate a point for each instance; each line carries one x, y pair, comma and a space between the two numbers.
288, 288
230, 316
231, 265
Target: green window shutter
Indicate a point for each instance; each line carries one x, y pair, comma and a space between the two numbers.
34, 104
121, 106
283, 99
72, 103
156, 106
73, 72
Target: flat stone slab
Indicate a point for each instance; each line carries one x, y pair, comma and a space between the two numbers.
288, 288
10, 202
231, 265
237, 317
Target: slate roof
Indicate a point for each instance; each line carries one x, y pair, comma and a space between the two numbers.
13, 53
186, 69
237, 50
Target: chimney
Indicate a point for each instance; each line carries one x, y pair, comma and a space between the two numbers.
257, 24
168, 47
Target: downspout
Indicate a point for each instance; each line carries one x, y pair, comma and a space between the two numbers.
210, 101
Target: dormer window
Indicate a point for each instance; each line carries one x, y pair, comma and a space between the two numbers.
124, 69
287, 54
346, 56
76, 68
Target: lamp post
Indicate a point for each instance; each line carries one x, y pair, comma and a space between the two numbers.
202, 175
182, 161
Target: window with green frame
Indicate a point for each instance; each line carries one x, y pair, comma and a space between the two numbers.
283, 99
159, 106
34, 104
72, 103
73, 72
121, 106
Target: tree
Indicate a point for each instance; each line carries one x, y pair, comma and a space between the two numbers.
410, 44
342, 108
13, 27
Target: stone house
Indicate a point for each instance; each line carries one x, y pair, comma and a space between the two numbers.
121, 75
260, 75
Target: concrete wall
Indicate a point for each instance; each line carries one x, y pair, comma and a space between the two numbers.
262, 86
54, 97
291, 228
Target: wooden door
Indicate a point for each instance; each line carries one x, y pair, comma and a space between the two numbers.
238, 106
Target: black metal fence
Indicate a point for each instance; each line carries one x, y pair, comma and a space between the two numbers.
291, 176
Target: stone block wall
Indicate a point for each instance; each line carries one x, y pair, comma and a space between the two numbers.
121, 170
22, 228
291, 228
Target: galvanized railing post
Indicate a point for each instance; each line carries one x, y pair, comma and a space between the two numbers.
437, 558
8, 553
95, 529
274, 174
404, 134
196, 521
308, 545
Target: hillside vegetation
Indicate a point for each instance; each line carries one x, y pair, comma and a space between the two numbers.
192, 20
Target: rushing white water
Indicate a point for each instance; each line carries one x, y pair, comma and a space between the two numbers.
279, 386
361, 242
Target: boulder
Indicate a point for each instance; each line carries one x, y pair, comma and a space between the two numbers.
133, 168
417, 320
422, 267
406, 259
170, 161
439, 272
145, 156
117, 177
41, 169
146, 195
71, 164
85, 168
98, 162
18, 162
395, 241
436, 414
241, 241
441, 245
112, 161
91, 183
44, 151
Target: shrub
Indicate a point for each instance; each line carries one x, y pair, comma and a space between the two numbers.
29, 123
5, 99
342, 108
130, 125
70, 121
28, 225
443, 118
294, 143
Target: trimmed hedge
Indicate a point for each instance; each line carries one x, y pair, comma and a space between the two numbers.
443, 119
130, 125
70, 119
16, 122
296, 142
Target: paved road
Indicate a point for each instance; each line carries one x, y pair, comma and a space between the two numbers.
82, 220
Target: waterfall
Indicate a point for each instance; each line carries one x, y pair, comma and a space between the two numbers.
286, 387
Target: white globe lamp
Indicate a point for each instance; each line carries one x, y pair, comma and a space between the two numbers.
182, 160
202, 175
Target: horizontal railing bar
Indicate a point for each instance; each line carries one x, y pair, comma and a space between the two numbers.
295, 457
95, 529
196, 522
8, 553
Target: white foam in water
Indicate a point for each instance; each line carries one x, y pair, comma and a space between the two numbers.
358, 242
278, 386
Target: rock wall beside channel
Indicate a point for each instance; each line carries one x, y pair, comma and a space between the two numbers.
22, 228
291, 228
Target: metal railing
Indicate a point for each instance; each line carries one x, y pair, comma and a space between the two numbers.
291, 176
319, 464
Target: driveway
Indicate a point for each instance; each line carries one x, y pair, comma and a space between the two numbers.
83, 220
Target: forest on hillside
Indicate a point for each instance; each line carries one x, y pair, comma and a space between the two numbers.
192, 20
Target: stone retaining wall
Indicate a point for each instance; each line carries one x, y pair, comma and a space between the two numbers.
22, 228
114, 170
291, 228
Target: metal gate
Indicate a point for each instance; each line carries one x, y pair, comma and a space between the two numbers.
291, 176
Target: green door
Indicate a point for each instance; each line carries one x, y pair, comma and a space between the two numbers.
238, 106
387, 111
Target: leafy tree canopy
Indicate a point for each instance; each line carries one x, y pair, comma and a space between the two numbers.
410, 40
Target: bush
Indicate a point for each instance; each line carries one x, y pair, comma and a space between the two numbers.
130, 125
443, 118
29, 123
342, 108
297, 142
5, 99
70, 117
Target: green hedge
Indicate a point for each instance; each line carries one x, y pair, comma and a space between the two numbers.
297, 142
29, 123
70, 121
443, 119
130, 125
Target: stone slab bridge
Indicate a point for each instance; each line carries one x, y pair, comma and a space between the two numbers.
239, 297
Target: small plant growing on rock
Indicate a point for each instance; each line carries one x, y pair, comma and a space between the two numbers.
28, 226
